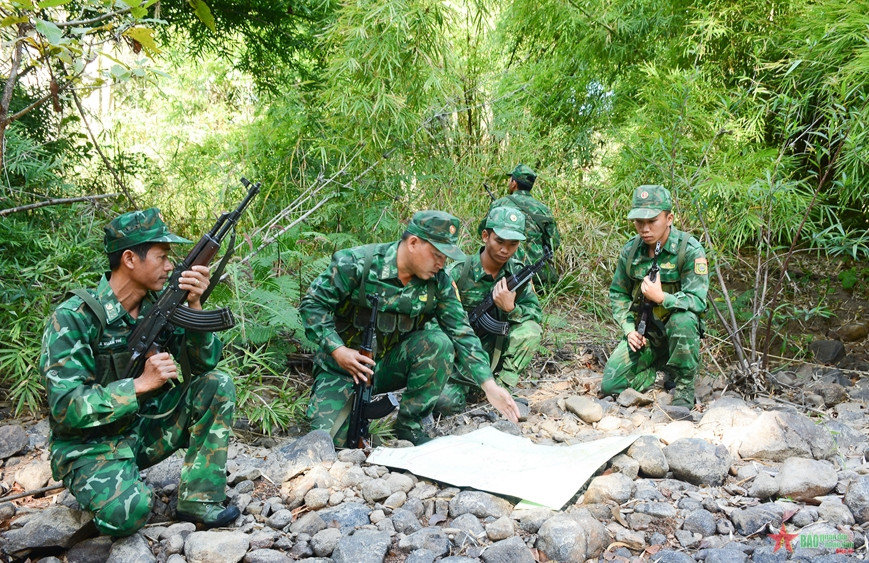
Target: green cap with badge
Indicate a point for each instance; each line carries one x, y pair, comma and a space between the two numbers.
649, 201
137, 227
524, 176
507, 222
440, 229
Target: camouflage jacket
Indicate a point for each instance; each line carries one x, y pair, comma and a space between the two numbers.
332, 317
92, 412
685, 281
476, 285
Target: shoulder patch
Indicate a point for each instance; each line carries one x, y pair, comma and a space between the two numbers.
700, 267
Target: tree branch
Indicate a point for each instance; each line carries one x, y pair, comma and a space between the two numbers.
46, 203
93, 20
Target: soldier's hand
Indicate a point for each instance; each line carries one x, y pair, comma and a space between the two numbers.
503, 298
354, 363
159, 369
195, 282
501, 399
652, 290
636, 340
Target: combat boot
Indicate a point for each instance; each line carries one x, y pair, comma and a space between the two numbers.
211, 514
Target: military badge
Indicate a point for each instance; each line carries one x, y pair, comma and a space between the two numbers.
701, 268
452, 229
644, 195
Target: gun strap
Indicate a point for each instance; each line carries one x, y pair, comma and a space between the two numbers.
215, 277
92, 304
496, 354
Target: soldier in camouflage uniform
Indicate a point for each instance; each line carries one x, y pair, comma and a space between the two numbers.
540, 224
485, 273
672, 341
104, 427
408, 275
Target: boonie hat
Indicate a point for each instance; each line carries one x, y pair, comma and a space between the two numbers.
507, 222
137, 227
440, 229
649, 201
524, 176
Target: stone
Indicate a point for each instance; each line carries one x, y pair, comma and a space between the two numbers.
751, 520
778, 435
615, 487
399, 482
764, 486
53, 526
835, 512
375, 490
266, 556
283, 517
323, 542
857, 499
347, 516
827, 351
93, 550
500, 529
34, 475
803, 479
301, 455
433, 539
648, 453
316, 498
216, 547
698, 462
853, 332
510, 550
633, 398
364, 546
587, 409
562, 538
479, 504
405, 522
13, 439
627, 466
135, 549
700, 521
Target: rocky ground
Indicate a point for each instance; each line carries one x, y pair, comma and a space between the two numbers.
777, 478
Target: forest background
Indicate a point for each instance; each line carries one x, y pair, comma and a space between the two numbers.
355, 114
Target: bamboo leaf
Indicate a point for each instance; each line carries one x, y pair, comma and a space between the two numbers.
203, 12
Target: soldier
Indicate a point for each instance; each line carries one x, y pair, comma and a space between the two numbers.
541, 228
485, 273
104, 427
672, 340
408, 275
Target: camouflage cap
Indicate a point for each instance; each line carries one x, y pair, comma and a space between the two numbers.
649, 201
440, 229
137, 227
524, 176
507, 222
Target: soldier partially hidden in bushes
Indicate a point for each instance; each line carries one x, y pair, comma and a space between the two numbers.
413, 288
485, 273
672, 340
104, 427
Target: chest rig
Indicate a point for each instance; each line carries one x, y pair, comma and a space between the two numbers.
399, 313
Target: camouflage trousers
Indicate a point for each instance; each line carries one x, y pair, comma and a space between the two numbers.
519, 347
419, 363
113, 489
673, 347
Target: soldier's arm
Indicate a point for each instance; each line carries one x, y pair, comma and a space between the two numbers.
68, 367
327, 291
620, 295
454, 322
695, 283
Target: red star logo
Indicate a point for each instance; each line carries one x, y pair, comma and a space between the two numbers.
783, 538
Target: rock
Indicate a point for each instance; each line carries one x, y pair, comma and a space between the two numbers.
832, 394
633, 398
627, 466
835, 512
576, 536
34, 475
375, 490
827, 351
725, 555
216, 547
853, 332
531, 520
364, 546
399, 482
422, 556
700, 521
728, 412
301, 455
511, 550
93, 550
500, 529
135, 549
857, 499
698, 462
282, 517
310, 523
677, 430
648, 453
315, 499
347, 516
53, 526
479, 504
615, 487
13, 439
586, 408
266, 556
656, 509
667, 556
433, 539
778, 435
803, 479
750, 520
323, 542
405, 522
764, 486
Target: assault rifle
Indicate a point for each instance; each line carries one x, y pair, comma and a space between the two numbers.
364, 409
648, 306
154, 329
481, 317
489, 191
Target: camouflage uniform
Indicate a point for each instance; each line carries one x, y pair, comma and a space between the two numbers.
408, 354
518, 346
540, 229
102, 434
674, 333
